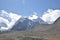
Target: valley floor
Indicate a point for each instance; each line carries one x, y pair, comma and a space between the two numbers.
29, 35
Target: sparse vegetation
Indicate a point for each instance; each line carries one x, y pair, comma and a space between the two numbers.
48, 32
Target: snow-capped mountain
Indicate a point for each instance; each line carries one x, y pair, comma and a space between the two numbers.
8, 20
28, 23
12, 21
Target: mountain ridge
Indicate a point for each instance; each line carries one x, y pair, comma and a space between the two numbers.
13, 19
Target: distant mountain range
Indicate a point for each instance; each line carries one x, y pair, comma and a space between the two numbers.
16, 22
26, 24
39, 32
55, 27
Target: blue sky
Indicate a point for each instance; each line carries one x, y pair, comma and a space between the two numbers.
27, 7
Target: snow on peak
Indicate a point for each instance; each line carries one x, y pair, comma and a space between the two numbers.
13, 17
3, 20
34, 16
50, 16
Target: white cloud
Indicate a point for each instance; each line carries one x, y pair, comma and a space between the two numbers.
51, 15
14, 17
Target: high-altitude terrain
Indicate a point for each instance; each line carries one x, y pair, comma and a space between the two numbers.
41, 32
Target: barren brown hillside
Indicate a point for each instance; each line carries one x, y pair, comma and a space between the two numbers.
41, 32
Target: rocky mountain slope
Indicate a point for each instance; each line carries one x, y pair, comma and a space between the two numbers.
41, 32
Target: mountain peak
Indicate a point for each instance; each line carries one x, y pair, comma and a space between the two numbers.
8, 18
32, 17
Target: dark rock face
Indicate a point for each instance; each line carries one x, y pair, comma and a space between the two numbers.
22, 25
26, 24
